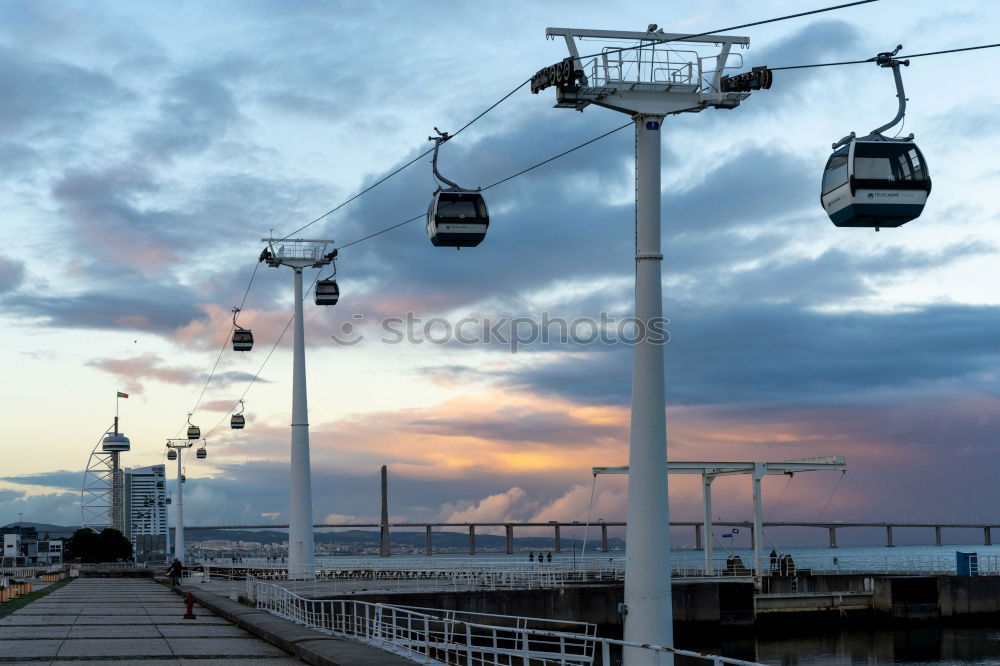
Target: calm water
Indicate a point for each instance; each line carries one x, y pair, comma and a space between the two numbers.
923, 646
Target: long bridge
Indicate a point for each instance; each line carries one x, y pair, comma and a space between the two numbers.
557, 526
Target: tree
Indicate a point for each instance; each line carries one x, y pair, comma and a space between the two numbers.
89, 546
113, 546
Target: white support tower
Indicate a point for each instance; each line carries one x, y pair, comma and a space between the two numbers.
757, 470
299, 254
648, 75
179, 446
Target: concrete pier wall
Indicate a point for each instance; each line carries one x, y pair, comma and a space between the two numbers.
885, 599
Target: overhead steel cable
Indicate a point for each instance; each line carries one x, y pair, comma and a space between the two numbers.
390, 228
732, 27
408, 164
900, 57
263, 363
222, 350
492, 185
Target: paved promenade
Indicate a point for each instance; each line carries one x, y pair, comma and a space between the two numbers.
126, 621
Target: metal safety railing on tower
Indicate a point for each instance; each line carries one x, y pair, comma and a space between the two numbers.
430, 636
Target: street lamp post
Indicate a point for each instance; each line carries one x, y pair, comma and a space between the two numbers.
299, 254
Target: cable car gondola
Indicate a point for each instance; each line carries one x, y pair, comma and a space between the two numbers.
201, 453
237, 421
168, 501
194, 432
876, 181
242, 337
456, 217
171, 455
327, 292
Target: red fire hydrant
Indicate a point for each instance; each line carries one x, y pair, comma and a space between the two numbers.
189, 602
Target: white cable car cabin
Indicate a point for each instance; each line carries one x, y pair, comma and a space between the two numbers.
457, 216
242, 340
326, 293
877, 181
242, 337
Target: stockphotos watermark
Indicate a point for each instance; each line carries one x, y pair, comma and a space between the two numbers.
512, 332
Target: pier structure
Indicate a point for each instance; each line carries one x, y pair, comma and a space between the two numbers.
757, 470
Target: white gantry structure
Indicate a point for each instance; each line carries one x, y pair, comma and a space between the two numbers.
757, 470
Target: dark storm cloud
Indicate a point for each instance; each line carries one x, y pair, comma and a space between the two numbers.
830, 277
196, 111
51, 98
779, 353
11, 274
817, 42
58, 479
155, 308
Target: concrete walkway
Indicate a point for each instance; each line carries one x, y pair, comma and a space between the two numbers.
126, 621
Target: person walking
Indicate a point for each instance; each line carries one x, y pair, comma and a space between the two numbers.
175, 570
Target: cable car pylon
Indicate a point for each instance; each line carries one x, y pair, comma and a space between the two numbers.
647, 83
457, 216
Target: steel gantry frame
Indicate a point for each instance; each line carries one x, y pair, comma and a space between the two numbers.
649, 80
710, 471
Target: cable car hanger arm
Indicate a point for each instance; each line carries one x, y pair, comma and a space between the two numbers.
438, 140
887, 60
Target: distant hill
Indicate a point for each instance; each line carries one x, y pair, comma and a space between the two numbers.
42, 527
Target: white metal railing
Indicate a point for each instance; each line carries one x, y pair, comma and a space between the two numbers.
487, 574
431, 636
456, 574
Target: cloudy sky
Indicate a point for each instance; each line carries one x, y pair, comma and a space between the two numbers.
148, 148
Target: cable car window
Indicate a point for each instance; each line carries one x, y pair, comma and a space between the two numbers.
887, 162
458, 209
836, 172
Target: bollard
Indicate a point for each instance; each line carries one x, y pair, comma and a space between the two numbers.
189, 602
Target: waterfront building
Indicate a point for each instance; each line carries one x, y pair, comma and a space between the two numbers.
146, 515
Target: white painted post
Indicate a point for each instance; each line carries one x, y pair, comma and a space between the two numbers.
648, 617
179, 538
300, 530
759, 469
706, 490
